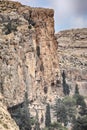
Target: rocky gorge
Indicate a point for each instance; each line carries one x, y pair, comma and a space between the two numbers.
28, 55
32, 59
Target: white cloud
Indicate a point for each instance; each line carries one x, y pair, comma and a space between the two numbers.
70, 13
78, 22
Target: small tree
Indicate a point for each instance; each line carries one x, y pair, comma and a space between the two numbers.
79, 100
70, 104
60, 111
80, 123
76, 89
47, 116
83, 111
38, 51
66, 90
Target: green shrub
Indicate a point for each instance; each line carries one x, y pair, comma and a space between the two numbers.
79, 100
80, 123
30, 27
60, 111
32, 121
57, 126
11, 26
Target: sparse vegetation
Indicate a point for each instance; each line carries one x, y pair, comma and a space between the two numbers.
47, 116
65, 111
11, 26
60, 111
79, 100
80, 123
66, 89
30, 27
55, 126
30, 21
38, 51
76, 89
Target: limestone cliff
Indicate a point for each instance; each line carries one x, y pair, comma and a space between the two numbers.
31, 61
6, 122
72, 50
28, 54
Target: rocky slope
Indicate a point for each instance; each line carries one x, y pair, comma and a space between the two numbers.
6, 122
72, 50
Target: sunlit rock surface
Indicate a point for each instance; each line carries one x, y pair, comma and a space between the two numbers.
72, 50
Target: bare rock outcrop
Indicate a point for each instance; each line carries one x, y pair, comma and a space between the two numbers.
28, 54
6, 122
72, 50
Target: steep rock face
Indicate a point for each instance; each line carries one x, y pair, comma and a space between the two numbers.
28, 54
72, 50
6, 122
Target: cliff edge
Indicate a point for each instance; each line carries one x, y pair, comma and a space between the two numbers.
28, 54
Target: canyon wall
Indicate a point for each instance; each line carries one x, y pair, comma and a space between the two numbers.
28, 54
72, 50
32, 60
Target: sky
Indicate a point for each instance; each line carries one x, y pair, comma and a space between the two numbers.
68, 13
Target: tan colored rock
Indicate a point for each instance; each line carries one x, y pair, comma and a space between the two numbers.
6, 122
72, 50
28, 54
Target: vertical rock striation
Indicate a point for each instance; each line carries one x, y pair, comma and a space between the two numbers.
28, 54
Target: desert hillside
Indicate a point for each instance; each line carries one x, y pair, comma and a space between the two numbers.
72, 50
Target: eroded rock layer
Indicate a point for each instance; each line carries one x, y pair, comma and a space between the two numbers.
72, 50
28, 54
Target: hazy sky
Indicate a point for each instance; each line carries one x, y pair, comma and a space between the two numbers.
68, 13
